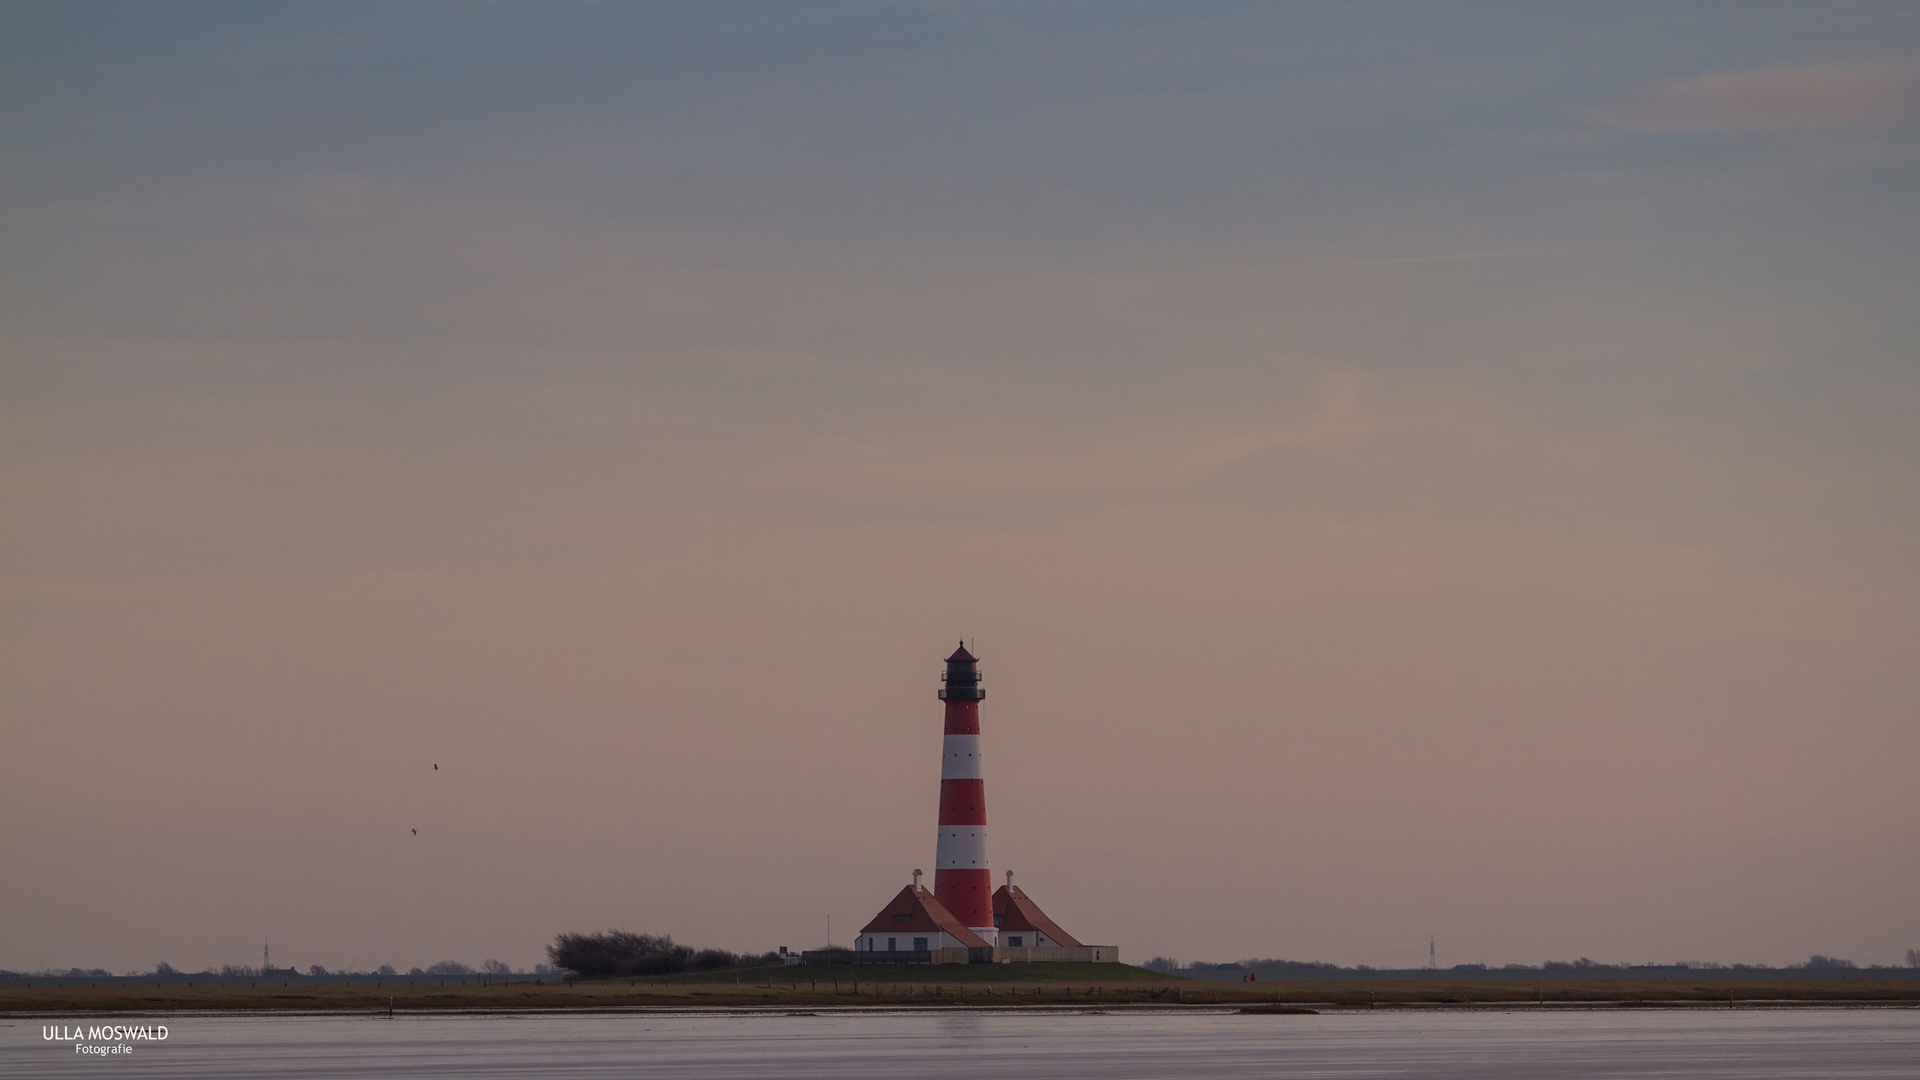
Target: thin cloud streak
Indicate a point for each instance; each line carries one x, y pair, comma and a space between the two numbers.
1461, 256
1404, 260
1804, 96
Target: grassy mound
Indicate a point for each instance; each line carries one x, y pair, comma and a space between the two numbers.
925, 974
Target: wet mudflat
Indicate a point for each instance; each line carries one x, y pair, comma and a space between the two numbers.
1059, 1045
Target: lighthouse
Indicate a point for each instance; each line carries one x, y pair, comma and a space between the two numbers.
961, 881
963, 920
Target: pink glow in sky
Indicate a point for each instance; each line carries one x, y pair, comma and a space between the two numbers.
1405, 475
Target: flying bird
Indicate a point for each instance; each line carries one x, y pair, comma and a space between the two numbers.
436, 766
416, 832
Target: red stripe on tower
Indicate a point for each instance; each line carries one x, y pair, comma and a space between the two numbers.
961, 881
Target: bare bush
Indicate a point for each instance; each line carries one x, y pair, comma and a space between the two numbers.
618, 952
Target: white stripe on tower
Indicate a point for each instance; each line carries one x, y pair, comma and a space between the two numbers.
961, 847
962, 760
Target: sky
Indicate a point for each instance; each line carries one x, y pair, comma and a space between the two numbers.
1410, 470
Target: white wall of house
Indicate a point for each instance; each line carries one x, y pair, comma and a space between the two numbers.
903, 941
1028, 939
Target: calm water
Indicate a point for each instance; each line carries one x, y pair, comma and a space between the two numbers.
1743, 1044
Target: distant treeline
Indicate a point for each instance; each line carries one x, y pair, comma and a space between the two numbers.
238, 971
1281, 968
1201, 967
618, 953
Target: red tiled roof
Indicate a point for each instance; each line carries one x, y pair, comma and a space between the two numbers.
916, 911
1012, 911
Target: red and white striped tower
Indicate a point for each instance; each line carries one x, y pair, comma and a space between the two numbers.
961, 881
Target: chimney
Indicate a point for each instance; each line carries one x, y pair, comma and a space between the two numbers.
916, 881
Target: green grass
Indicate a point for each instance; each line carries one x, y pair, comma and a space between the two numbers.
1083, 974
